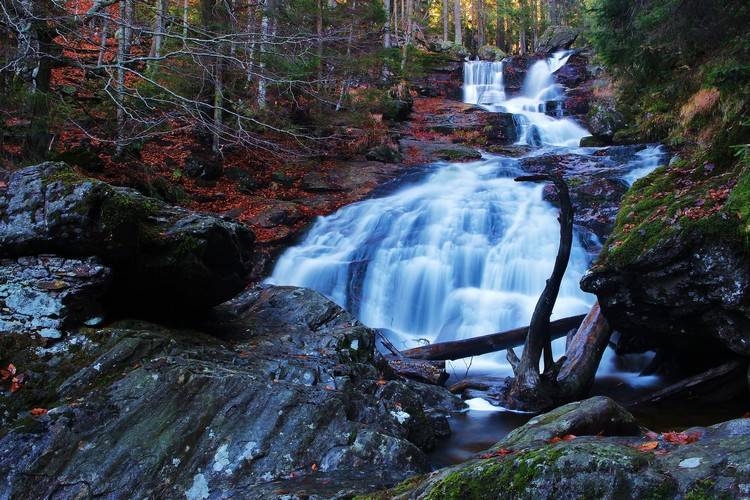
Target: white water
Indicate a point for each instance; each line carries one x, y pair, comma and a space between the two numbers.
646, 162
464, 252
483, 85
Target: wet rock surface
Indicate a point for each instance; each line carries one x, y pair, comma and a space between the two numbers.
284, 395
690, 296
595, 448
47, 294
185, 259
596, 180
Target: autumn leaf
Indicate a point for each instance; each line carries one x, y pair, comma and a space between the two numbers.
7, 373
568, 437
314, 467
648, 446
555, 439
39, 411
681, 437
497, 453
16, 383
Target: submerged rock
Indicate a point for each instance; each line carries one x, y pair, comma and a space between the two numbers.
159, 254
594, 449
286, 387
47, 294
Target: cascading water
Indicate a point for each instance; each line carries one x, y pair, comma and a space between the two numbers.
482, 86
466, 251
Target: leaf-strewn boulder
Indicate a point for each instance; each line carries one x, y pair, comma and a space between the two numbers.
610, 458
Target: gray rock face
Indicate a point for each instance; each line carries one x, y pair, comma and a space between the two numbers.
47, 294
288, 400
556, 38
603, 460
678, 296
595, 181
159, 253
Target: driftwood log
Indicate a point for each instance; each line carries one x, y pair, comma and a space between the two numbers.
459, 349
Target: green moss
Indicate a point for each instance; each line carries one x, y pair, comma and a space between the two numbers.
704, 489
680, 202
128, 218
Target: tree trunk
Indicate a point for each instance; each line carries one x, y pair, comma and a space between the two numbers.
500, 32
457, 26
319, 33
446, 15
527, 381
250, 30
185, 12
218, 104
407, 37
476, 346
123, 53
387, 27
159, 24
264, 39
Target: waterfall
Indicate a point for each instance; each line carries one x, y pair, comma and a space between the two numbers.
483, 85
646, 162
483, 82
464, 253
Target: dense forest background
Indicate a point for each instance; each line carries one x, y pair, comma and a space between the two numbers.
290, 76
101, 80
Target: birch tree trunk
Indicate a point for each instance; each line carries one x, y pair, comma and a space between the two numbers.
457, 27
123, 53
407, 37
158, 36
264, 33
387, 26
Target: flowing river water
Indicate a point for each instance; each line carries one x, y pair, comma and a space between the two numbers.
465, 250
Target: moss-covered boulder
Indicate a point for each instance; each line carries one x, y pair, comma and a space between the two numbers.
160, 254
609, 458
675, 273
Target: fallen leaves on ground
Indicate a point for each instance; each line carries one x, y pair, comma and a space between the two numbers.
6, 373
681, 437
648, 446
566, 437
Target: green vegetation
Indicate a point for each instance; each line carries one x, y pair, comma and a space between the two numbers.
687, 84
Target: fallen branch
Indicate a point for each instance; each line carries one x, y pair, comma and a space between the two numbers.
691, 383
458, 349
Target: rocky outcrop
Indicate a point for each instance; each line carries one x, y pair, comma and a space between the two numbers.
284, 395
432, 151
47, 294
159, 254
556, 38
444, 79
469, 123
596, 183
595, 449
688, 295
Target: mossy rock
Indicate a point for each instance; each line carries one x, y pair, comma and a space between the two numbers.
160, 254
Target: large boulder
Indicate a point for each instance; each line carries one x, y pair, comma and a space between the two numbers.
285, 395
557, 38
159, 254
47, 294
687, 296
675, 272
594, 449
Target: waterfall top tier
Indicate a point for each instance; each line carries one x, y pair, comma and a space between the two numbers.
484, 86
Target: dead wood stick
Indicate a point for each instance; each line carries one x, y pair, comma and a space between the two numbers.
458, 349
689, 383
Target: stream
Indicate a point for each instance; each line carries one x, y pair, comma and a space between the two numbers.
465, 251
